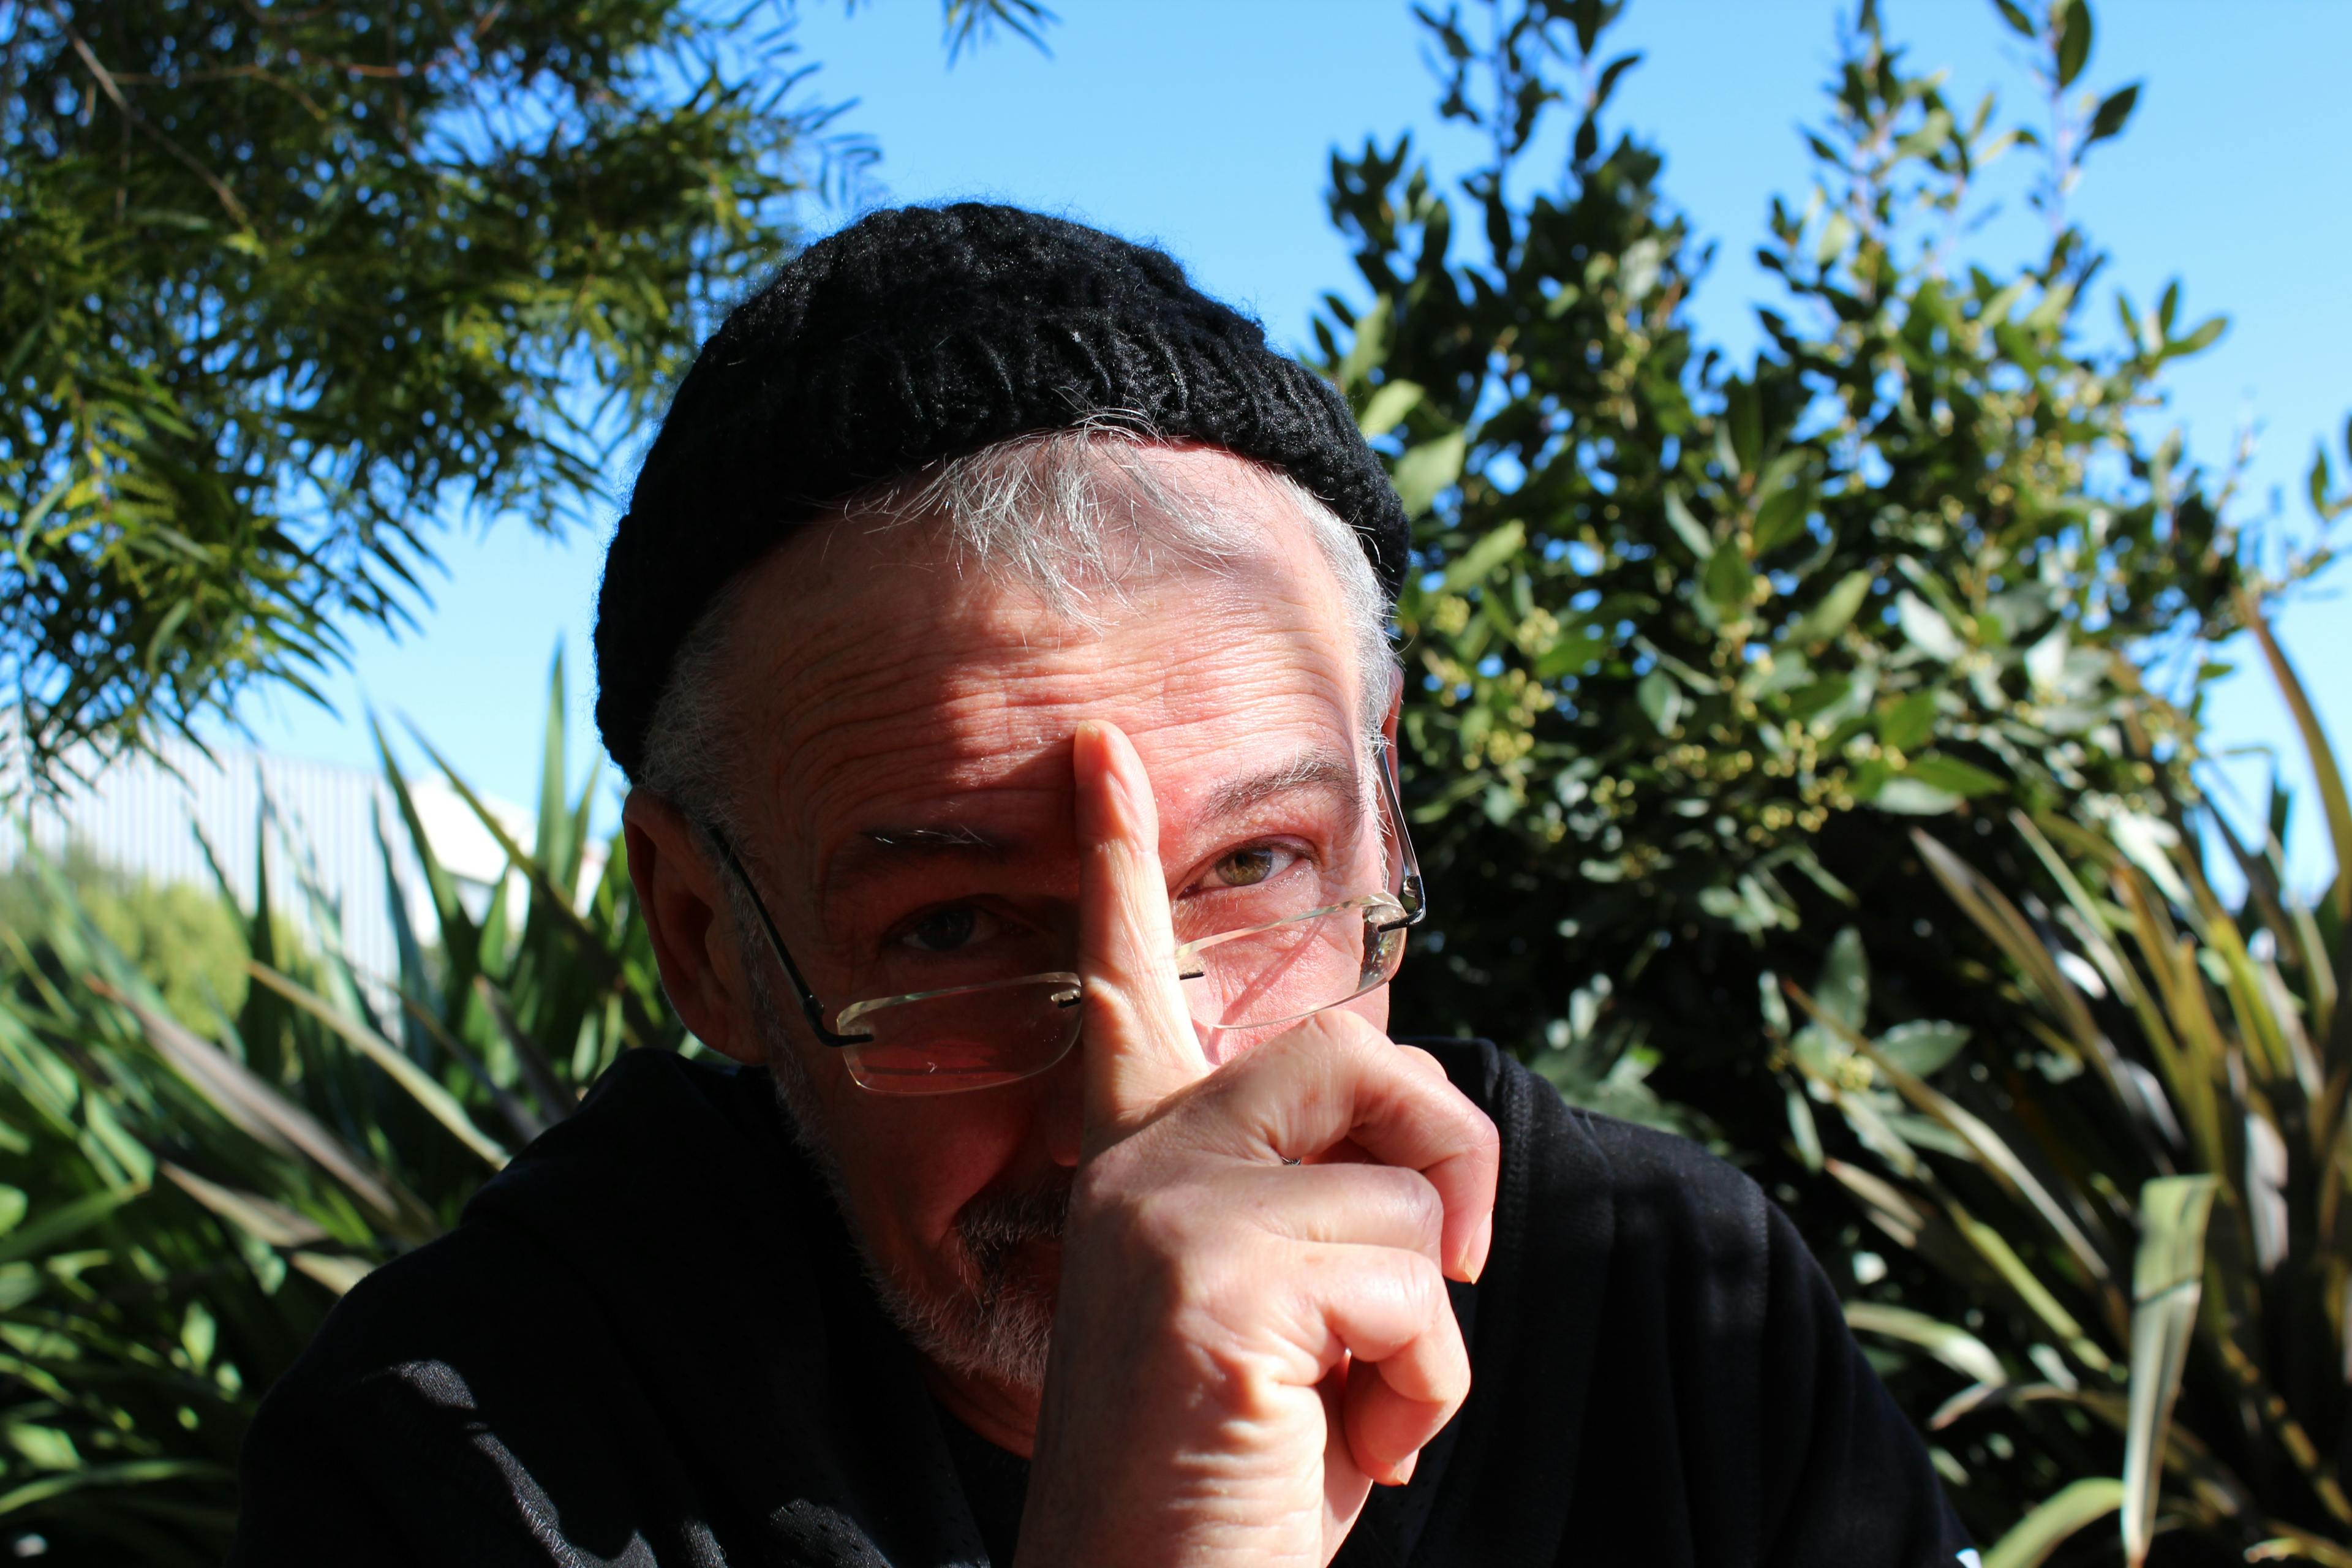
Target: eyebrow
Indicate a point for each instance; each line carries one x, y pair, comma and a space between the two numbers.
955, 837
1323, 769
876, 848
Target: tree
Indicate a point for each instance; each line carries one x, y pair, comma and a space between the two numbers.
180, 936
1699, 646
1696, 645
290, 287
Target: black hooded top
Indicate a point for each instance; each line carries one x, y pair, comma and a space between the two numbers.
649, 1343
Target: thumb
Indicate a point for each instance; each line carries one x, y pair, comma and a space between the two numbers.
1139, 1046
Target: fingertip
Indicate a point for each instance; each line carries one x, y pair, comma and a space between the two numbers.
1113, 800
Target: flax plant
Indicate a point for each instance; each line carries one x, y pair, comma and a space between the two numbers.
180, 1207
2139, 1181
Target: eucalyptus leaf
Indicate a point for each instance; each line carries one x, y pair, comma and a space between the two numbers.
1428, 468
1833, 614
1726, 577
2074, 50
1843, 990
1952, 1345
1662, 701
1925, 1047
1927, 629
1907, 796
1387, 407
1951, 775
1476, 564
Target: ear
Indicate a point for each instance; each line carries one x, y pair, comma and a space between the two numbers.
694, 936
1396, 706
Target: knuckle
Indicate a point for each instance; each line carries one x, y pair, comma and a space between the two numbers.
1486, 1138
1419, 1203
1425, 1282
1422, 1062
1339, 1033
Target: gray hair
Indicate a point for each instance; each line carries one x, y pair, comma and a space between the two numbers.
1072, 515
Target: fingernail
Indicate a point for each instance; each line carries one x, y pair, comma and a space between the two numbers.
1405, 1468
1102, 810
1480, 1247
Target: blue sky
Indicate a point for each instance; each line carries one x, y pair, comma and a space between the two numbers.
1207, 125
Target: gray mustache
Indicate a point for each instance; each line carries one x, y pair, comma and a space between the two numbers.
992, 1226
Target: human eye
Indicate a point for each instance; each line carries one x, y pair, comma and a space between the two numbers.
951, 929
1251, 866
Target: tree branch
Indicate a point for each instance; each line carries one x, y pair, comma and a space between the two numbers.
107, 83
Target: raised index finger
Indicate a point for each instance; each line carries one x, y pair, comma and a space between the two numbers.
1140, 1043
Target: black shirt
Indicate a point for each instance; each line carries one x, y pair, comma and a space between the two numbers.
995, 1484
650, 1343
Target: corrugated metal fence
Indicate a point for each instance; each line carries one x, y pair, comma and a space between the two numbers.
341, 826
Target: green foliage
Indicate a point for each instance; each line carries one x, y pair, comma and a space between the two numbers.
1694, 648
1727, 676
181, 938
289, 284
2136, 1186
179, 1207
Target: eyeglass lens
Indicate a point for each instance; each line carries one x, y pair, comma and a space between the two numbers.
983, 1035
1301, 941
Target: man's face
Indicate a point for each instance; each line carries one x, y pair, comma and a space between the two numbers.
905, 736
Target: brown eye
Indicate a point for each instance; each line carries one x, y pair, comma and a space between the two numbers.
945, 931
1247, 868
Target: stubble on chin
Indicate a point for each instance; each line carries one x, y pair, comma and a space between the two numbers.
996, 1320
997, 1323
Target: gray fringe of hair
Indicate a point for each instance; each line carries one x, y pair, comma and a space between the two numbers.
1071, 514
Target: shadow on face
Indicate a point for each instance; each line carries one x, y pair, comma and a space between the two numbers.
904, 722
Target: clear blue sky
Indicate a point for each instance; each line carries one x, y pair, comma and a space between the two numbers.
1207, 125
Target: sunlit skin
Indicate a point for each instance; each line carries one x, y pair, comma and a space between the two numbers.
887, 698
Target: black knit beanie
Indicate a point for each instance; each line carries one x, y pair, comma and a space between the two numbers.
923, 333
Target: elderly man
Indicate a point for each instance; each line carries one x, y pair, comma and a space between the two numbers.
996, 646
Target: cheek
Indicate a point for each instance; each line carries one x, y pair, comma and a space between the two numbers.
911, 1163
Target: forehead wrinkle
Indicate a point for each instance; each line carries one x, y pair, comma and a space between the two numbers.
877, 693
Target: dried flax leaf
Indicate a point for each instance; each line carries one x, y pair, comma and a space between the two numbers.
271, 1223
1990, 1149
257, 1108
2192, 1063
2000, 920
337, 1273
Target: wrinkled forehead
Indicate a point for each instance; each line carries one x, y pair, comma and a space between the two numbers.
883, 675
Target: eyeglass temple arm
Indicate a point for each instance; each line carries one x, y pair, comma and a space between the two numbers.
814, 1008
1412, 891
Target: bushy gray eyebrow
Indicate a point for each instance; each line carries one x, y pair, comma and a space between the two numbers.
1323, 769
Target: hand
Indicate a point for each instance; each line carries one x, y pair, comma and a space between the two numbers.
1241, 1348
